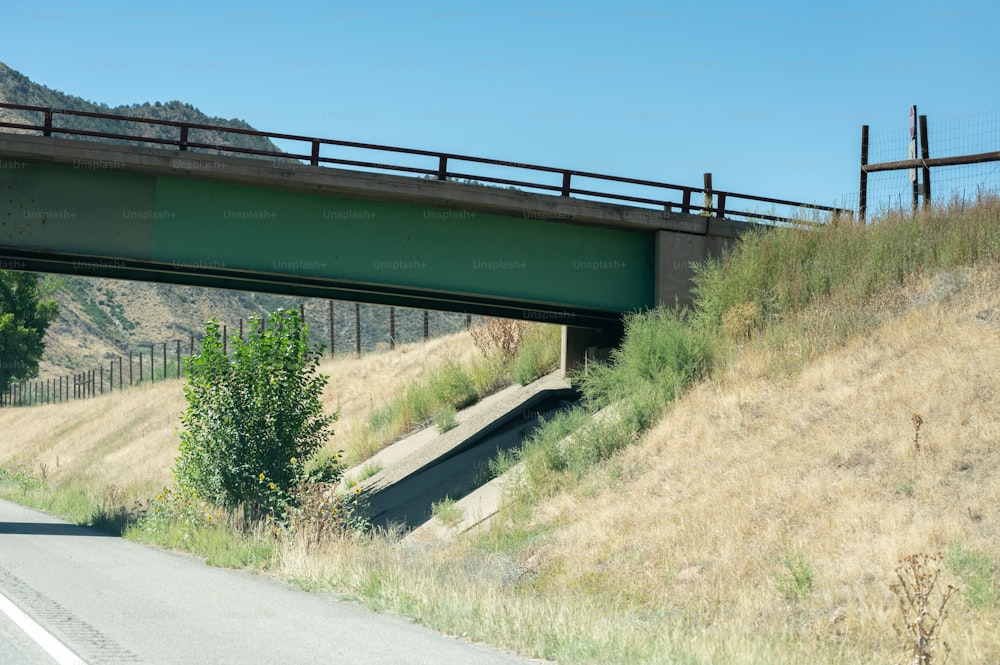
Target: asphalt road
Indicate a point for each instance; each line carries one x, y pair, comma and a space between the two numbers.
114, 602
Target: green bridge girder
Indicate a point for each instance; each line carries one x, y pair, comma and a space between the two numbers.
111, 220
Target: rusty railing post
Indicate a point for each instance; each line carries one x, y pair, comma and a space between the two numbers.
863, 190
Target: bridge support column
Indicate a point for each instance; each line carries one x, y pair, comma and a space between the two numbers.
674, 253
580, 345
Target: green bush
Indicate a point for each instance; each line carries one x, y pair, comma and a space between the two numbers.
252, 420
660, 354
446, 419
452, 386
538, 354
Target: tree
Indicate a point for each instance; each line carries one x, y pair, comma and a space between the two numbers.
23, 322
252, 420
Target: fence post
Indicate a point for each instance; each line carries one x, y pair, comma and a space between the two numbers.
164, 361
468, 321
863, 190
178, 359
427, 327
130, 381
392, 328
707, 210
925, 154
120, 384
357, 328
332, 351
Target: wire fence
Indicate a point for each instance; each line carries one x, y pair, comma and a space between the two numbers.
371, 328
950, 136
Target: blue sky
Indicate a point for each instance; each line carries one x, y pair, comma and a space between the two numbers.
768, 96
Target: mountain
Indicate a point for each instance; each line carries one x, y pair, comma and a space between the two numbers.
105, 319
16, 88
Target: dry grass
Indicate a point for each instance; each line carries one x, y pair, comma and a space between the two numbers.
746, 473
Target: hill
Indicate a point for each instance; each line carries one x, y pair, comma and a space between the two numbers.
104, 319
16, 88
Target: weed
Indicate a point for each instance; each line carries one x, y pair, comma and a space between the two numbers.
917, 421
498, 338
368, 470
447, 512
921, 606
538, 355
797, 577
978, 572
906, 487
446, 419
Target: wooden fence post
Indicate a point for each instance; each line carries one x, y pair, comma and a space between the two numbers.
332, 350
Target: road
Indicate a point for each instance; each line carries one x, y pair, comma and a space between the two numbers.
113, 602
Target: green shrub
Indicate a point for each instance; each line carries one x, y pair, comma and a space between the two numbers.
452, 386
538, 354
446, 419
254, 419
447, 512
660, 355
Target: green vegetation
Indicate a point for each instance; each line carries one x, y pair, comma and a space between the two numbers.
24, 318
980, 575
538, 354
447, 512
253, 420
796, 577
453, 386
446, 419
107, 325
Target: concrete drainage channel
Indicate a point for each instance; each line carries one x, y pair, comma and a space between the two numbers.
428, 466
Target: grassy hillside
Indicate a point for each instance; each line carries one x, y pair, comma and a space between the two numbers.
129, 439
755, 478
103, 319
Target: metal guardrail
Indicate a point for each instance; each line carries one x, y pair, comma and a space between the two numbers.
183, 142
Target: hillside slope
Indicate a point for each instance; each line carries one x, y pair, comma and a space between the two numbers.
104, 319
129, 438
758, 503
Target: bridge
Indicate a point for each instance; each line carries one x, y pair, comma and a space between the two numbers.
415, 229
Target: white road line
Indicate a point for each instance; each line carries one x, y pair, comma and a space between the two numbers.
59, 651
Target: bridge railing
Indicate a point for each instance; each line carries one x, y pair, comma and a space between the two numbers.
683, 198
